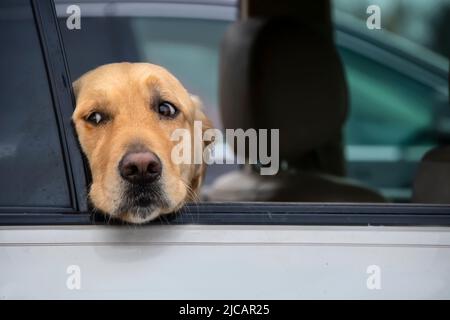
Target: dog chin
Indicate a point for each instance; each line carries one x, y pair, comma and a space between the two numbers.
141, 204
140, 215
134, 211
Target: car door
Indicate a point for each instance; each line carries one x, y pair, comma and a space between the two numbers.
42, 172
50, 247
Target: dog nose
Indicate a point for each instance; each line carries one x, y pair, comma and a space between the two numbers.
140, 167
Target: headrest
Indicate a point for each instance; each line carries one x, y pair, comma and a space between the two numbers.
431, 184
277, 73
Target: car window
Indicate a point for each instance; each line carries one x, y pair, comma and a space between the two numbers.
395, 115
32, 172
188, 48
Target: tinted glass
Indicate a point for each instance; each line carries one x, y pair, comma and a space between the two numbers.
32, 172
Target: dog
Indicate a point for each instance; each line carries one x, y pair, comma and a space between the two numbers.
124, 116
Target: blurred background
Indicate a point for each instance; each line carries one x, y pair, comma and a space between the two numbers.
422, 22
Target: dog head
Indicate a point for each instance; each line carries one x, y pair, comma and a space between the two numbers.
125, 115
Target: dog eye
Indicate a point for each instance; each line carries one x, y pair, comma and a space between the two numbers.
167, 110
95, 118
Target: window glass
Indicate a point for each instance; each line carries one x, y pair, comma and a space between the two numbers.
32, 172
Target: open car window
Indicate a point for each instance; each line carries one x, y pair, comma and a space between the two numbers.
398, 112
390, 119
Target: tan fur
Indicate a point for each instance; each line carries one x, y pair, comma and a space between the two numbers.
126, 92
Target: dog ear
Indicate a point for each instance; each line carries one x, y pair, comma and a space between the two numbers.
76, 88
200, 169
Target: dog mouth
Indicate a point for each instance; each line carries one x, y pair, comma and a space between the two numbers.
142, 202
143, 196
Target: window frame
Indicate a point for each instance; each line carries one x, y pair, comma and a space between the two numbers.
324, 214
63, 102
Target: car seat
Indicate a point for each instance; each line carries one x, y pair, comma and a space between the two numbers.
279, 69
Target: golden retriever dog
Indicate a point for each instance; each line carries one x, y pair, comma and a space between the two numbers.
124, 117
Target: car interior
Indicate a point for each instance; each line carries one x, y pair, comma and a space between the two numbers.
269, 81
263, 78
